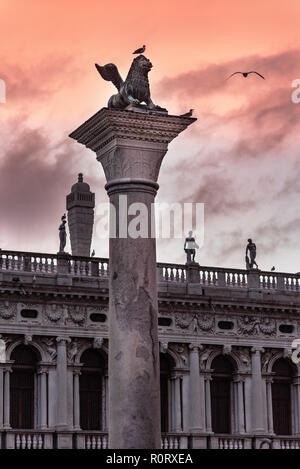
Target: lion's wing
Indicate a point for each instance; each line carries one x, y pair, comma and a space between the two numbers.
109, 72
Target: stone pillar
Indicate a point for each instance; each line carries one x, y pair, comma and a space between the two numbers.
76, 399
61, 373
208, 403
195, 411
80, 206
131, 146
43, 398
269, 381
177, 403
239, 397
256, 390
6, 417
1, 396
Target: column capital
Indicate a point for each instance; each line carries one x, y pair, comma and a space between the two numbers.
42, 369
195, 348
63, 340
257, 350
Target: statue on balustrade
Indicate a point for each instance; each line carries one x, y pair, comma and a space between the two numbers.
134, 90
62, 234
190, 247
251, 248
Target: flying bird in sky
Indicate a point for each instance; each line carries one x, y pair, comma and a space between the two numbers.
245, 74
187, 114
140, 50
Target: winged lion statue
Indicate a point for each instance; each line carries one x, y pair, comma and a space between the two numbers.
135, 89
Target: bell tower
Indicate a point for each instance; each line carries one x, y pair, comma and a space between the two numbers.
80, 206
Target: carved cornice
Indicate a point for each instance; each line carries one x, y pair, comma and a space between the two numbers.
110, 124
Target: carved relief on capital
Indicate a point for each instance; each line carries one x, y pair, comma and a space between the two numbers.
8, 310
204, 356
131, 162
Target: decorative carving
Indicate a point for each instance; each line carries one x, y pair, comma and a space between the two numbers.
53, 312
226, 349
72, 349
98, 342
206, 322
27, 339
163, 347
8, 310
250, 325
204, 355
181, 351
180, 322
50, 345
77, 313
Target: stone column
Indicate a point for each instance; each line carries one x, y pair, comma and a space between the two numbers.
76, 399
61, 373
269, 381
208, 403
131, 146
6, 416
43, 397
256, 390
1, 396
195, 411
239, 398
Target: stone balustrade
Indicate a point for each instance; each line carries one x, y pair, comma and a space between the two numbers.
36, 439
174, 274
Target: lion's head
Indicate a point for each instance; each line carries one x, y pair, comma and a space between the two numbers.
140, 66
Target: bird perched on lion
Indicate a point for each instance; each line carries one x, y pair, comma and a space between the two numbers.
135, 89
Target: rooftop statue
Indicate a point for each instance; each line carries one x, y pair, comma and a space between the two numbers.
62, 234
190, 247
135, 90
251, 248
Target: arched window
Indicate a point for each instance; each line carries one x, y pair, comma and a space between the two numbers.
166, 365
281, 396
220, 389
91, 384
22, 387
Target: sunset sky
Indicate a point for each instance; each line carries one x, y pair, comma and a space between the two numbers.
241, 158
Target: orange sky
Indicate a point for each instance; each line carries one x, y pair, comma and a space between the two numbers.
245, 131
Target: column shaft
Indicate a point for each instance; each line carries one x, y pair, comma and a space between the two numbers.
195, 411
44, 400
208, 405
76, 401
1, 396
61, 370
6, 422
256, 389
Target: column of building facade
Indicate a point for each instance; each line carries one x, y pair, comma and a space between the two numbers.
269, 381
1, 395
296, 403
176, 402
196, 423
239, 404
6, 401
208, 420
43, 394
61, 369
76, 398
256, 391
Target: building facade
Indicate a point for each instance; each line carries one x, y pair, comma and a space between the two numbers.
227, 377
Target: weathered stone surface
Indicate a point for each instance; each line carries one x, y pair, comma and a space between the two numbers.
130, 147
